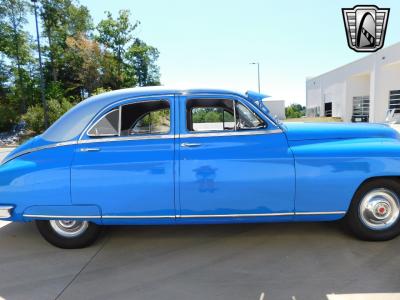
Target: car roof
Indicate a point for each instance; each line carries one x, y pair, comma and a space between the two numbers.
111, 96
69, 126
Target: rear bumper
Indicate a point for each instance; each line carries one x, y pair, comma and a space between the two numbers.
5, 211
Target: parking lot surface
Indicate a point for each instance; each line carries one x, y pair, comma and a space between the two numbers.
301, 261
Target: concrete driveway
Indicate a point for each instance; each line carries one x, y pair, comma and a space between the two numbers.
302, 261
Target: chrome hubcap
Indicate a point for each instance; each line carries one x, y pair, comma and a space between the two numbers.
379, 209
69, 228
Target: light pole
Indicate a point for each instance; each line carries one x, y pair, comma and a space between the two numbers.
258, 73
42, 91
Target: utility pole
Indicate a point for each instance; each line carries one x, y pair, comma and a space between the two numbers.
42, 88
258, 73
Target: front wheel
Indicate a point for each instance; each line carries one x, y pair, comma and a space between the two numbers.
68, 234
374, 213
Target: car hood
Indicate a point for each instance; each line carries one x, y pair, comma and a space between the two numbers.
323, 131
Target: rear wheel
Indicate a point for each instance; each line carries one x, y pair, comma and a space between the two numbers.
374, 213
68, 234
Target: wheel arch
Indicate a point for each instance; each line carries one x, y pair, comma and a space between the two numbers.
367, 180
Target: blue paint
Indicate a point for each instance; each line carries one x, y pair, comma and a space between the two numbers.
297, 168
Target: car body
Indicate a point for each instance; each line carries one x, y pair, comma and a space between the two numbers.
198, 156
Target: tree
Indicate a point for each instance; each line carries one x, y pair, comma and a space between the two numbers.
15, 43
78, 62
142, 58
85, 60
62, 19
295, 111
115, 35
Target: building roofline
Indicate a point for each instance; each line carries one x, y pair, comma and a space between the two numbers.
366, 57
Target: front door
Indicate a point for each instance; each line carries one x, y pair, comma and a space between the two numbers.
234, 164
125, 163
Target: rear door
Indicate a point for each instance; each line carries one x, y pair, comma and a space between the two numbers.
233, 163
125, 163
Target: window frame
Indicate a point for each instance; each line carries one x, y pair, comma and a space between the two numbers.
235, 129
104, 112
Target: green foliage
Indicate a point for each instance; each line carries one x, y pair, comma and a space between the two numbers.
295, 111
15, 46
142, 58
100, 90
34, 117
79, 58
7, 117
210, 115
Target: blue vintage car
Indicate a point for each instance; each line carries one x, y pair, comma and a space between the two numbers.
165, 156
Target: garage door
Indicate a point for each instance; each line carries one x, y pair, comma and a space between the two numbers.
360, 109
394, 101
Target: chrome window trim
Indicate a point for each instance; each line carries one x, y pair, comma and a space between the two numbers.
124, 102
119, 120
231, 133
234, 116
235, 103
128, 138
236, 97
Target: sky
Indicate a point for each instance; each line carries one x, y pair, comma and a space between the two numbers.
210, 43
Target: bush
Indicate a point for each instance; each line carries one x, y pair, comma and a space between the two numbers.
34, 117
100, 90
7, 118
295, 111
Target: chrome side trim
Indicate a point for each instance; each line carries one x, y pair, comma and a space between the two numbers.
311, 213
5, 211
236, 215
61, 217
140, 217
231, 133
39, 149
189, 216
128, 138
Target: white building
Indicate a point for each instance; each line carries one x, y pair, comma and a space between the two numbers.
276, 107
364, 90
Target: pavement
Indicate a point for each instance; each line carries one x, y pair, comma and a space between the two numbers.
298, 261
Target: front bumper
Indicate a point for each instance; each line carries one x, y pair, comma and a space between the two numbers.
5, 211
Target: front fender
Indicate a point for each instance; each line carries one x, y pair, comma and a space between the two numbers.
328, 172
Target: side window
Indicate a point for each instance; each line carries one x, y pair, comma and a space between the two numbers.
152, 122
211, 119
246, 119
146, 117
210, 115
106, 126
205, 115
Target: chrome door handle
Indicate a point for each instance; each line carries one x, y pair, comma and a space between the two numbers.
89, 149
190, 145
